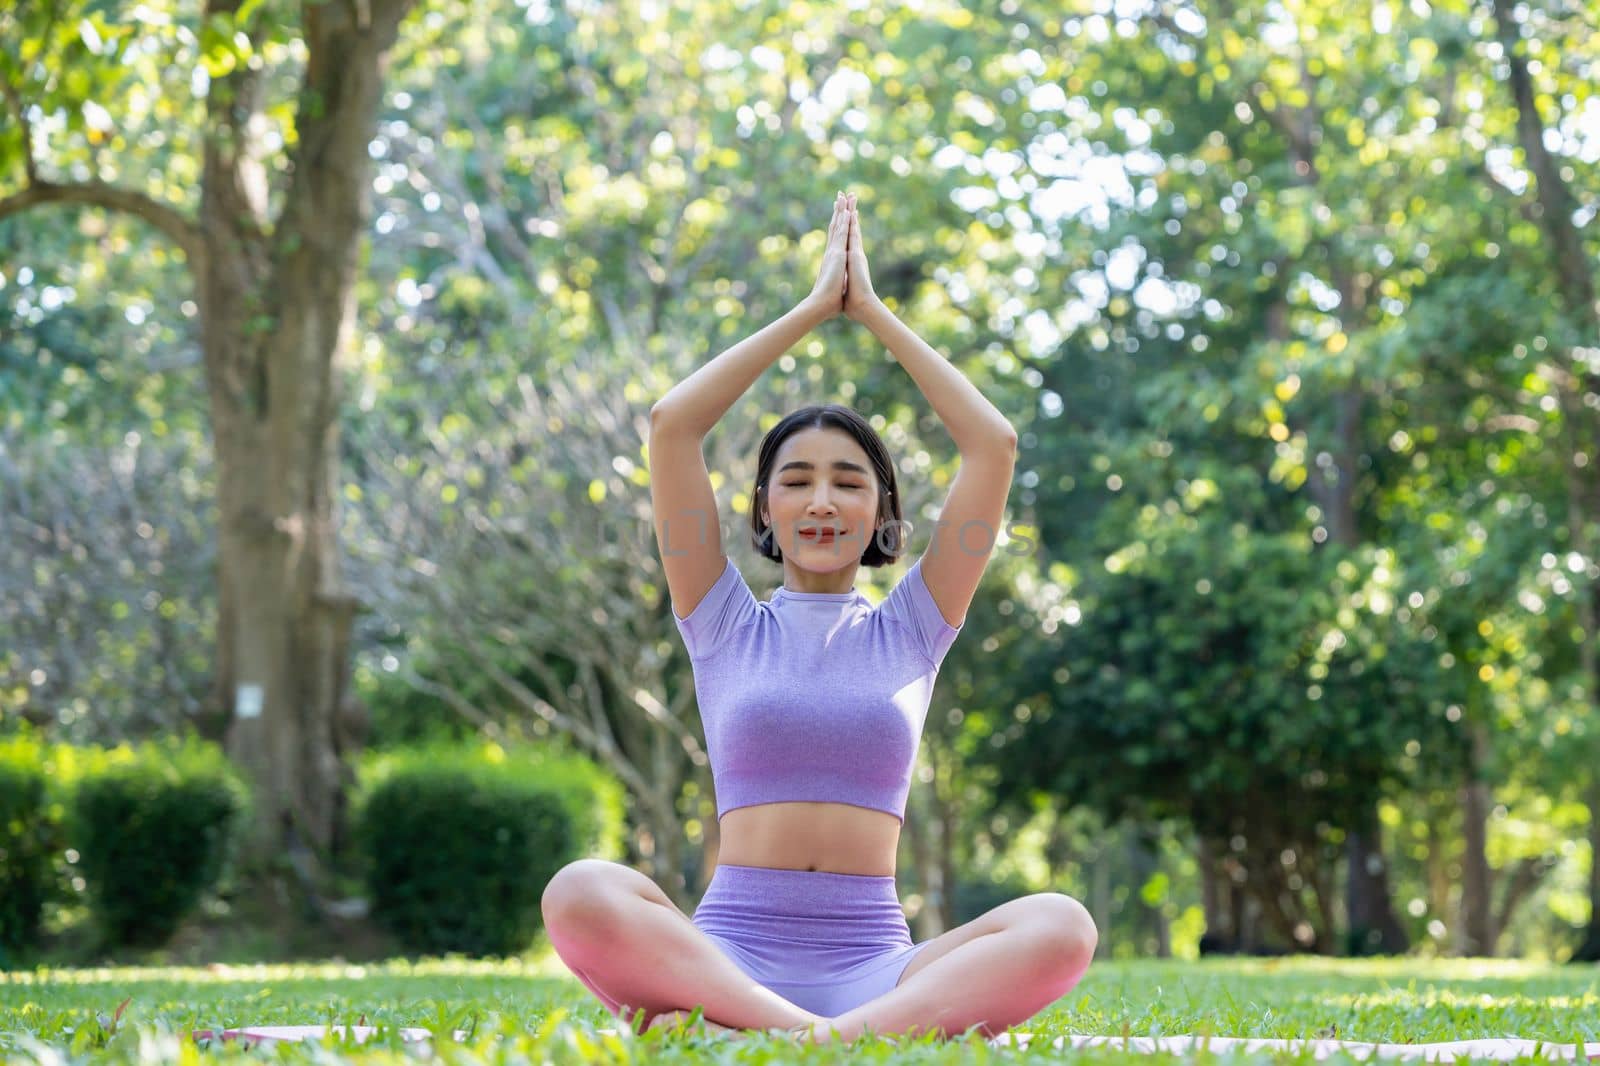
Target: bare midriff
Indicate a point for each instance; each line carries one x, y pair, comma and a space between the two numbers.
833, 837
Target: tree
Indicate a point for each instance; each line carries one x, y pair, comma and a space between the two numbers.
250, 158
1572, 274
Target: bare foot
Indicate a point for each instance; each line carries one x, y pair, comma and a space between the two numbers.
672, 1019
821, 1031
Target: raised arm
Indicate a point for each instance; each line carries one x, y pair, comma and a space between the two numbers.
969, 521
681, 497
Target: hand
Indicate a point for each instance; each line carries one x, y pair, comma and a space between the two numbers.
828, 294
859, 298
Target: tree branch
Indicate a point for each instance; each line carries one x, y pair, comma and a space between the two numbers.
1525, 877
177, 227
1574, 274
29, 167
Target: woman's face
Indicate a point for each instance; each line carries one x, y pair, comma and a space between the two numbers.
822, 480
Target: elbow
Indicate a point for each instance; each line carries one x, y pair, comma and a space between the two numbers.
666, 418
1005, 443
999, 442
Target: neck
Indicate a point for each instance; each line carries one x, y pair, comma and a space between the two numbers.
798, 580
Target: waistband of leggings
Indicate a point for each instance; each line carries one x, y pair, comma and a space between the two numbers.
805, 889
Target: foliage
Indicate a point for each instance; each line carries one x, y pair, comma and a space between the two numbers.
1266, 251
1312, 286
30, 834
156, 827
106, 612
1238, 667
459, 842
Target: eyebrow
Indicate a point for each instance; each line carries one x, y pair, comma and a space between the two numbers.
838, 464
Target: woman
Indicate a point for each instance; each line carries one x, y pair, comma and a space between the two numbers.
813, 705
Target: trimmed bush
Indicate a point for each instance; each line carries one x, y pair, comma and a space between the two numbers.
459, 843
29, 834
155, 827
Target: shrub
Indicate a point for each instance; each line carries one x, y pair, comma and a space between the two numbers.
459, 842
29, 836
155, 827
976, 897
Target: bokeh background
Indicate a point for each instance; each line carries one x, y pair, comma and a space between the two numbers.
1291, 644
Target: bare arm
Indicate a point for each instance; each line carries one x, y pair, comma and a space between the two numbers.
696, 403
681, 496
969, 521
975, 424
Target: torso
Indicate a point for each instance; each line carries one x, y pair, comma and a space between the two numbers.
832, 837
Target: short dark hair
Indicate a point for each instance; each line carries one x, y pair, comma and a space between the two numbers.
889, 538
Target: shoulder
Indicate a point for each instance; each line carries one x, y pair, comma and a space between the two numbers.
910, 606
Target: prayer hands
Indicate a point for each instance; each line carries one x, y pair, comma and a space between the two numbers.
859, 296
844, 283
829, 292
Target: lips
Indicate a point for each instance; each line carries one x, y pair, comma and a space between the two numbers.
818, 534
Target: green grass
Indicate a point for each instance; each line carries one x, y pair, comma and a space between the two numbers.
529, 1012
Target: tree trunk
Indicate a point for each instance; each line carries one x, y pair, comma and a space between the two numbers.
1438, 868
1373, 925
659, 847
276, 315
1374, 928
1524, 878
1214, 891
1589, 949
1247, 919
920, 830
1477, 916
670, 843
945, 841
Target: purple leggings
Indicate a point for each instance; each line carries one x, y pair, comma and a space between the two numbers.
826, 942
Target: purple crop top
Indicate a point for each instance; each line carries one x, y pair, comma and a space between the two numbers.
816, 696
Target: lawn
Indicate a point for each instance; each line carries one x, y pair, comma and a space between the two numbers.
528, 1011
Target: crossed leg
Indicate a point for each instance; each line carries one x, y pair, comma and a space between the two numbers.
633, 948
991, 973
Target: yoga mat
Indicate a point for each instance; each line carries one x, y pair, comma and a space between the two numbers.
272, 1034
1499, 1049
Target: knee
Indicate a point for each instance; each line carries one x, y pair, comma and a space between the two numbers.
578, 895
1065, 936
